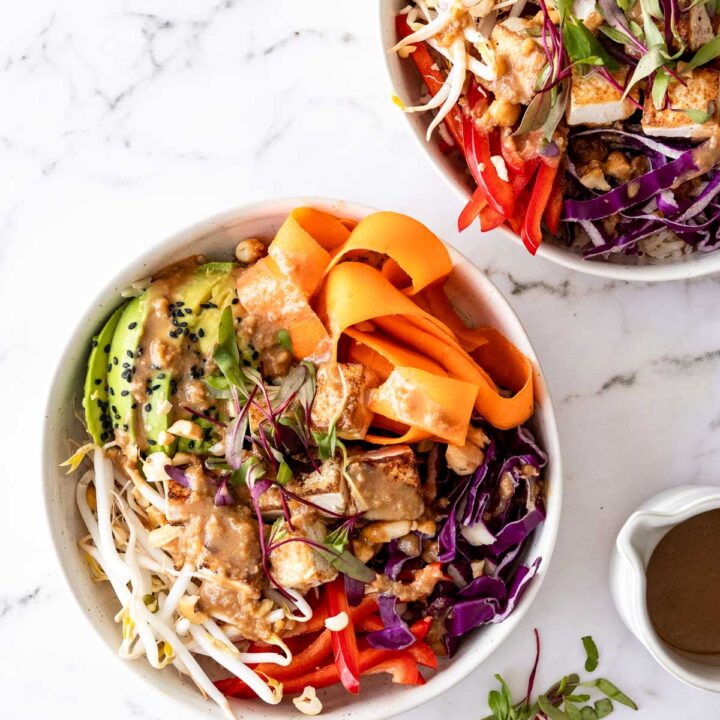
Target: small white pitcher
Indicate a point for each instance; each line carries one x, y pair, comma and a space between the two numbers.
634, 545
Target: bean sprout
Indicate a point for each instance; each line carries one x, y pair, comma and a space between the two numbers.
149, 588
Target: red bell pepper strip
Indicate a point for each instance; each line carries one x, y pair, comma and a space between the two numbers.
552, 213
490, 219
393, 661
522, 177
498, 192
531, 233
344, 642
316, 623
306, 661
474, 206
423, 655
432, 77
404, 670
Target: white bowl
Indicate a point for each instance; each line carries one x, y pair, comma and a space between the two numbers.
634, 546
216, 237
408, 86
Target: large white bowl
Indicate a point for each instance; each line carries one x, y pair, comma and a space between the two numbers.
407, 84
216, 238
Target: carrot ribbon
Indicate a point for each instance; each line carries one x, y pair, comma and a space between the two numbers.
373, 293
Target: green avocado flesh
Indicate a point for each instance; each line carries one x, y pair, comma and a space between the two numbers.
123, 350
117, 402
95, 397
154, 419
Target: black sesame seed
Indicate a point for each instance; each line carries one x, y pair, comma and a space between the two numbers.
126, 364
155, 387
161, 376
112, 391
193, 337
172, 334
133, 406
179, 303
109, 367
150, 441
125, 427
132, 326
148, 407
94, 343
98, 381
125, 393
191, 444
235, 301
130, 354
188, 311
201, 332
107, 348
116, 425
183, 323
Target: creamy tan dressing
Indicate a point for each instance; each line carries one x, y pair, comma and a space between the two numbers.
683, 585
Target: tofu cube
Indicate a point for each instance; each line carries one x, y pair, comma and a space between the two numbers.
694, 26
325, 487
385, 484
519, 58
343, 388
594, 101
297, 564
701, 92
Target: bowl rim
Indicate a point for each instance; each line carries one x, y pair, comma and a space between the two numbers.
697, 264
448, 677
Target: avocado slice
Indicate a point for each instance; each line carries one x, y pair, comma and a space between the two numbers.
154, 420
95, 396
207, 322
121, 361
197, 301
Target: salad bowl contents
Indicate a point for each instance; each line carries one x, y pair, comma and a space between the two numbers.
303, 468
592, 126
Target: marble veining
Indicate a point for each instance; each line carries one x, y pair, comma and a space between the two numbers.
125, 120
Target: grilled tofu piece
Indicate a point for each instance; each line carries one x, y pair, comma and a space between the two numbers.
594, 101
224, 540
701, 92
694, 26
519, 57
296, 564
385, 484
325, 487
343, 388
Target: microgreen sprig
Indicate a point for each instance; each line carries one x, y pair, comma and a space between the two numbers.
562, 701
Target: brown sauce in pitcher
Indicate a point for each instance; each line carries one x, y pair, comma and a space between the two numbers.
683, 585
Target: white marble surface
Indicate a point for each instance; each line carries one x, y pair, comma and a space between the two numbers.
125, 119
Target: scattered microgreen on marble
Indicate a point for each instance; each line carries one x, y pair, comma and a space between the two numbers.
568, 699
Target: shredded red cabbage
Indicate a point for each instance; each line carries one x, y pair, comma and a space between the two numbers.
395, 634
354, 589
178, 475
634, 192
491, 515
223, 496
